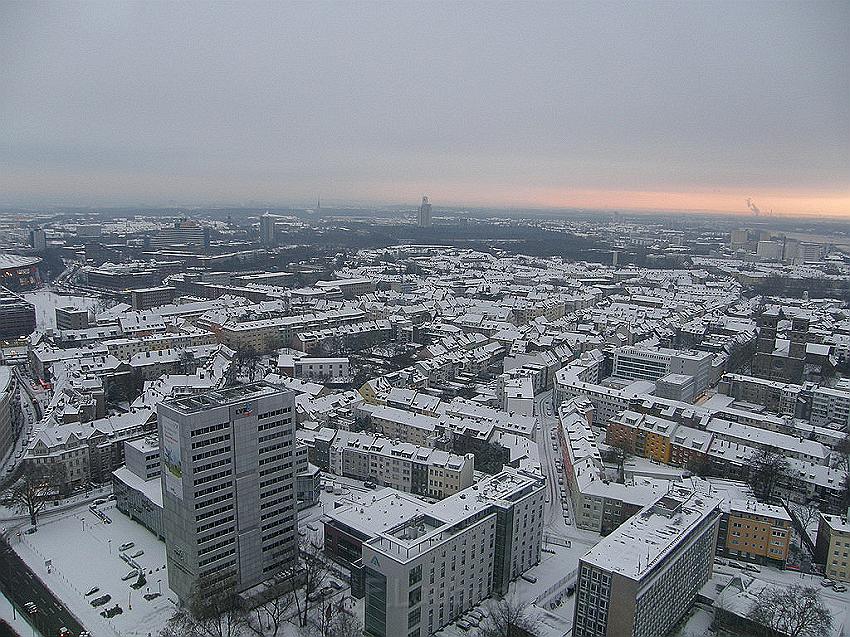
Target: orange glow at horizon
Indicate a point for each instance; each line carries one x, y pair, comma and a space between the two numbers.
787, 203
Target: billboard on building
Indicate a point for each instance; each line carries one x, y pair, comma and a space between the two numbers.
172, 464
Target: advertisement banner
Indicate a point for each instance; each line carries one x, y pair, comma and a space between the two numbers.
172, 464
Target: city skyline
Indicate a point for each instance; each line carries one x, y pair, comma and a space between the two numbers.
599, 106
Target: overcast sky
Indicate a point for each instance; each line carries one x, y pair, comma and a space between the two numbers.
651, 104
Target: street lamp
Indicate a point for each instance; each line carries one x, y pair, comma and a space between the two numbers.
109, 541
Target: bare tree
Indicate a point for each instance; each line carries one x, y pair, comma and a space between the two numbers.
805, 513
619, 451
509, 618
796, 611
271, 609
213, 610
699, 465
248, 361
842, 450
342, 622
36, 486
767, 468
313, 572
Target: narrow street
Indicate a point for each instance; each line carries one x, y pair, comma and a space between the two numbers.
554, 509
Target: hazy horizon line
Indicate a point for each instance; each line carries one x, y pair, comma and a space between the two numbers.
448, 206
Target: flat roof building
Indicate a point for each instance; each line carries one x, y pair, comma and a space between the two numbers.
17, 316
426, 571
641, 579
228, 485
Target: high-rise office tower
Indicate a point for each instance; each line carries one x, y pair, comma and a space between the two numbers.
267, 229
425, 213
38, 240
228, 485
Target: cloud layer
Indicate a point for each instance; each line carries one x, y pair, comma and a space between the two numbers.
699, 105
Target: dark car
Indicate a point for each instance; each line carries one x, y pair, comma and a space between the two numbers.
100, 601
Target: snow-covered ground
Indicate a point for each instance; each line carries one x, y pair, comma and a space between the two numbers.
696, 623
83, 553
699, 618
46, 301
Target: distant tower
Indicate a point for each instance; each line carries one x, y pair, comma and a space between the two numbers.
267, 229
425, 213
38, 239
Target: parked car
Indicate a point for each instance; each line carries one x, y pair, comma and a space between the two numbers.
64, 632
827, 582
126, 546
839, 588
31, 608
100, 601
92, 591
130, 575
138, 553
369, 485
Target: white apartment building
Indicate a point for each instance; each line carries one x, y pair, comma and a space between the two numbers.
399, 424
422, 574
403, 466
312, 368
651, 363
794, 447
830, 406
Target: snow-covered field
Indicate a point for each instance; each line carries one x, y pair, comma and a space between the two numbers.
83, 554
46, 301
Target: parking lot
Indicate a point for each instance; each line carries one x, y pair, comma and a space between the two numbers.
77, 552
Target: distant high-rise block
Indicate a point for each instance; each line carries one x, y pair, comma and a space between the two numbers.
267, 229
228, 486
38, 240
425, 213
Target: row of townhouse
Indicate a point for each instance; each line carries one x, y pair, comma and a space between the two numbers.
403, 466
669, 442
349, 337
265, 334
599, 504
81, 453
